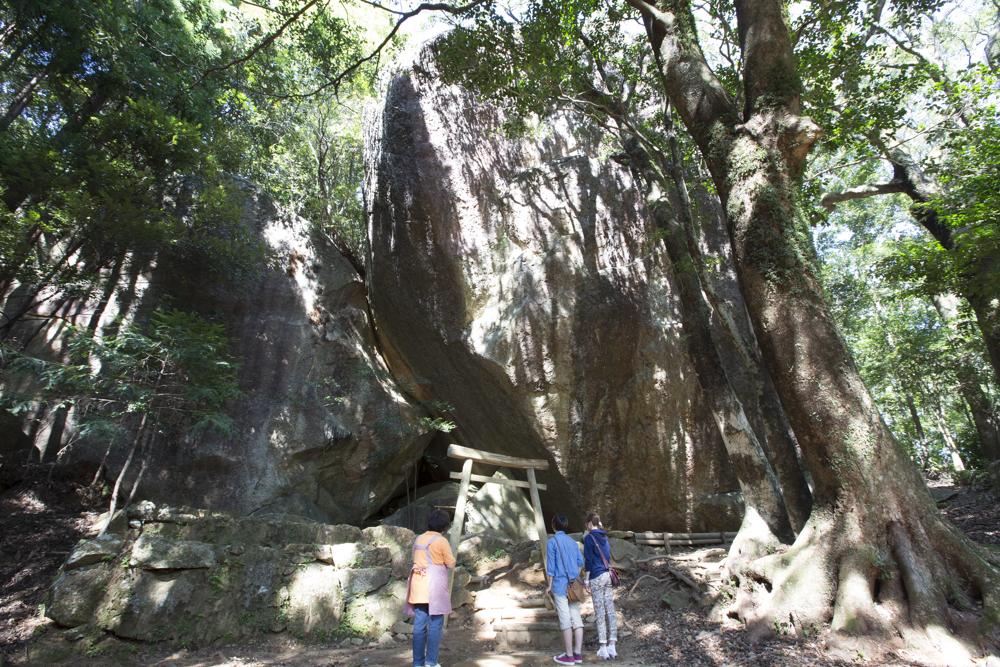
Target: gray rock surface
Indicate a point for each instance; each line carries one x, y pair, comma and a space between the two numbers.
414, 515
624, 553
359, 581
482, 550
398, 542
238, 583
315, 600
322, 431
501, 511
76, 594
161, 606
152, 552
100, 549
517, 283
373, 614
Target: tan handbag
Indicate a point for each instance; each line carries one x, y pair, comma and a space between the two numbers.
576, 591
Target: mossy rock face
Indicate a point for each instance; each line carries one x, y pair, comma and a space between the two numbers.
218, 528
398, 541
376, 613
100, 549
376, 557
460, 593
364, 580
315, 601
257, 581
201, 577
76, 594
483, 553
154, 552
353, 555
166, 605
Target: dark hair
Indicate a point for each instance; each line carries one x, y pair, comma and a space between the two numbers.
594, 519
560, 522
438, 520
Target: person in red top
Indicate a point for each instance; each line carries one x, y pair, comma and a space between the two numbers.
428, 593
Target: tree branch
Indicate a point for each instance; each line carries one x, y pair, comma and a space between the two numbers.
336, 81
768, 63
692, 87
831, 199
259, 46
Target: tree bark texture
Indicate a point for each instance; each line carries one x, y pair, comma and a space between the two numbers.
875, 554
766, 521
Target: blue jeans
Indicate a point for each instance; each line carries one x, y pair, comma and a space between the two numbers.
426, 635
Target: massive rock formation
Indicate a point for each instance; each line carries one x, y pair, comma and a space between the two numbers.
517, 289
322, 430
518, 285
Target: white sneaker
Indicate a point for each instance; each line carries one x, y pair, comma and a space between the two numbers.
612, 653
602, 653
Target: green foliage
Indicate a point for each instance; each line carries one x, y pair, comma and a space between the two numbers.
915, 361
318, 168
356, 622
137, 119
142, 132
173, 376
437, 424
579, 55
498, 554
970, 191
973, 477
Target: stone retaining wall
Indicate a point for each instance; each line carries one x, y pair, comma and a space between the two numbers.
197, 577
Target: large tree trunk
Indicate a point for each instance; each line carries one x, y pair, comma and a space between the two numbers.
740, 358
875, 554
766, 521
987, 310
918, 429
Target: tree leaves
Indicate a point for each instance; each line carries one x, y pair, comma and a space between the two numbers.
175, 369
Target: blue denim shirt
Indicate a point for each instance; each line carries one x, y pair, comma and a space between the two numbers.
592, 541
562, 562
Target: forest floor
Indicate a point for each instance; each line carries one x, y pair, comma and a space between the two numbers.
41, 520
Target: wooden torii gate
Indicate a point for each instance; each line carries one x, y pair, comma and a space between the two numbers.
504, 461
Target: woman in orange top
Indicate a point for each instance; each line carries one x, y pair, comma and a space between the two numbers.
428, 592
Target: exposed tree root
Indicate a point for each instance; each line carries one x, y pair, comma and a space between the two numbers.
910, 575
674, 575
753, 541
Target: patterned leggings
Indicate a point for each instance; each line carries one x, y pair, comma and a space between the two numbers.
604, 607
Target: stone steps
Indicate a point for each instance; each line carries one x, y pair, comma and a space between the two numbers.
515, 613
518, 618
494, 599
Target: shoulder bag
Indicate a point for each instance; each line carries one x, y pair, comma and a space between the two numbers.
615, 579
576, 591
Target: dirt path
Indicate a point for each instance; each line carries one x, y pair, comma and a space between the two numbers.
39, 522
